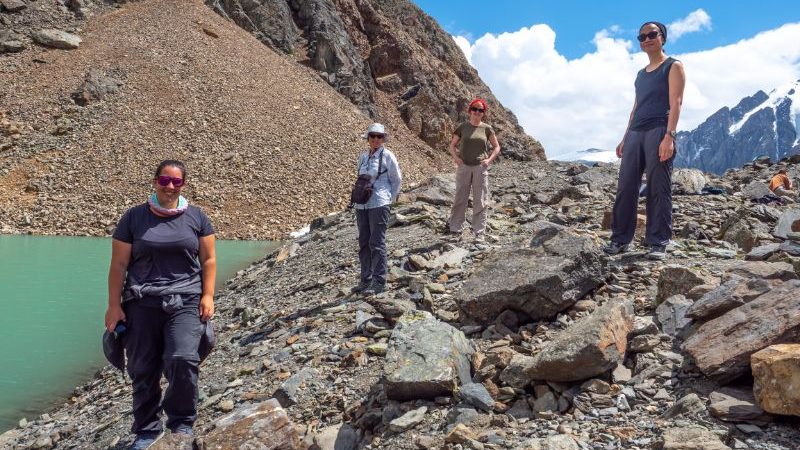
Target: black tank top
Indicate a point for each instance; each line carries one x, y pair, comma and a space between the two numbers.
652, 97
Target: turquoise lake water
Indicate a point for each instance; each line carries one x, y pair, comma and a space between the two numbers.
53, 297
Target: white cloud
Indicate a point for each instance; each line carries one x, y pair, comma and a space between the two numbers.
695, 21
575, 104
464, 45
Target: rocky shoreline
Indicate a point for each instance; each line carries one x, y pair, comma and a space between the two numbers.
531, 340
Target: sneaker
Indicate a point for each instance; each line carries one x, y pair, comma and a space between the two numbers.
360, 287
374, 289
615, 248
657, 252
183, 429
146, 439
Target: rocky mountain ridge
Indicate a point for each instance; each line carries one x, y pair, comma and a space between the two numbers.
382, 55
759, 125
533, 339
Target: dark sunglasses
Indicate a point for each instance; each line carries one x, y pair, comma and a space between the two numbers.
164, 180
476, 109
375, 136
646, 36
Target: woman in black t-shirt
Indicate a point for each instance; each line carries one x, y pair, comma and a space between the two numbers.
161, 285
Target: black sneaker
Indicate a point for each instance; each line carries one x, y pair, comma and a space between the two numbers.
615, 248
360, 287
657, 252
374, 289
146, 439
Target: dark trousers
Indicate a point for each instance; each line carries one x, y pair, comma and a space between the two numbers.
157, 342
372, 224
640, 155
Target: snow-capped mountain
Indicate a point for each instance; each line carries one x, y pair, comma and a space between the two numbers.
762, 124
587, 156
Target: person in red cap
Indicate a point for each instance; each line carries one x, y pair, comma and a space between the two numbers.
470, 148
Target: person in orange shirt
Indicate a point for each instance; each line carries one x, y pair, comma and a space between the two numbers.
781, 185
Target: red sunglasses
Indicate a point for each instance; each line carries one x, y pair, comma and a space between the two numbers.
164, 180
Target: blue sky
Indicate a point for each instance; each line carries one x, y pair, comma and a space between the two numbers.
576, 22
567, 68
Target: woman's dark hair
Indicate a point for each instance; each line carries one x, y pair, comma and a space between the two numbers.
173, 163
661, 27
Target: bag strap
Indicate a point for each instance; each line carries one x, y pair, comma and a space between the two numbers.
380, 164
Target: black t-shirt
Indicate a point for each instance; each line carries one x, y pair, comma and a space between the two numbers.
165, 250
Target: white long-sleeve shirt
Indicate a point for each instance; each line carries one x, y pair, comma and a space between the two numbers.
386, 187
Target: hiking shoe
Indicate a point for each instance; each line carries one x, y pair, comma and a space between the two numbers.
657, 252
374, 289
183, 429
146, 439
360, 287
615, 248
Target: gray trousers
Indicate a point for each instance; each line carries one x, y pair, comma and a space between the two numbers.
156, 342
640, 155
372, 224
473, 179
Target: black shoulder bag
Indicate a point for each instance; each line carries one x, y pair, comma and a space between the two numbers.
363, 188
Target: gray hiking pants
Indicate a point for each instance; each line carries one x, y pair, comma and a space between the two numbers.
640, 155
372, 224
473, 179
163, 340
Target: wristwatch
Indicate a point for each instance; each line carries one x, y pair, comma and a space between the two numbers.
673, 134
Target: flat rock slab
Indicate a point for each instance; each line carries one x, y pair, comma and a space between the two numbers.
557, 442
425, 358
588, 348
12, 5
761, 269
671, 314
729, 295
439, 190
51, 37
756, 190
539, 278
762, 252
408, 420
722, 347
776, 374
789, 221
691, 438
736, 405
264, 426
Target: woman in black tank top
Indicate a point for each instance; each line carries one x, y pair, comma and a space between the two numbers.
648, 146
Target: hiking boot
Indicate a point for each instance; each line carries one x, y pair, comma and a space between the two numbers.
360, 287
183, 429
657, 252
146, 439
615, 248
374, 289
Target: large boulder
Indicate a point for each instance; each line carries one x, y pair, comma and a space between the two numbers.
539, 278
776, 375
678, 279
688, 181
588, 348
426, 358
722, 347
263, 426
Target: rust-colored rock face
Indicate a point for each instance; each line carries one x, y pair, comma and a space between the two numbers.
776, 374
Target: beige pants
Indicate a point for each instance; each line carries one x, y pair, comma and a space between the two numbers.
476, 179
